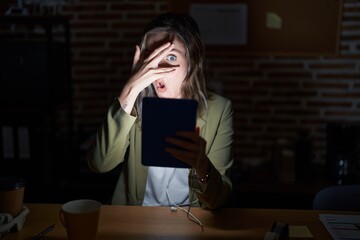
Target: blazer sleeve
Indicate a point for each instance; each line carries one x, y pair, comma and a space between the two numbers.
112, 140
219, 151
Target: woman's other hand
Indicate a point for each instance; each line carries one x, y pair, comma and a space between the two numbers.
191, 151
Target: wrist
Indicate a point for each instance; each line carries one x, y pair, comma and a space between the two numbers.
123, 103
127, 102
203, 169
203, 175
203, 179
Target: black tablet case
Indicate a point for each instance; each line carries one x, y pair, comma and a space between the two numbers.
162, 117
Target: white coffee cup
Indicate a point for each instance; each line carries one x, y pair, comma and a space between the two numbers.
81, 218
11, 195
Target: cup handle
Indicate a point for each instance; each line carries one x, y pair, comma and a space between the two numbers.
61, 216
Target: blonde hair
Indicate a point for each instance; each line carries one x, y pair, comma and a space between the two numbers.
186, 30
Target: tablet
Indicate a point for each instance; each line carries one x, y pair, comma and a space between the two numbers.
162, 117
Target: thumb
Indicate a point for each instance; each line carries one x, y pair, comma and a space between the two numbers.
136, 56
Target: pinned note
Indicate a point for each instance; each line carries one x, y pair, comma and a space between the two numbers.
24, 143
273, 20
224, 24
8, 142
300, 232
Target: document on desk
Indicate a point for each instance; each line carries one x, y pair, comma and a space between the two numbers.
342, 226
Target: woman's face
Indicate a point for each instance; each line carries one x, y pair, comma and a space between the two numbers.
169, 86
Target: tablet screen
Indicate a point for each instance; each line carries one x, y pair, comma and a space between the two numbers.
162, 117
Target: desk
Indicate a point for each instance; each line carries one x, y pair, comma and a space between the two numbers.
136, 222
251, 194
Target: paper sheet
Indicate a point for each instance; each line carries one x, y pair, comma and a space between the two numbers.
300, 232
8, 142
342, 226
224, 24
24, 143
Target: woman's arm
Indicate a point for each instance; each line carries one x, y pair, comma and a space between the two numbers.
112, 140
217, 189
211, 156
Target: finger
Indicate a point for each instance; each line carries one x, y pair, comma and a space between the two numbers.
162, 70
193, 136
185, 156
197, 131
143, 79
160, 52
184, 144
157, 73
136, 56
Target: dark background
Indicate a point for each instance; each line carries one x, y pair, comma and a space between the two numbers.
295, 116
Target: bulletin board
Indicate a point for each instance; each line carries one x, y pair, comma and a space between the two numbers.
280, 27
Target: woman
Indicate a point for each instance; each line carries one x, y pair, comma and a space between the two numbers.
169, 63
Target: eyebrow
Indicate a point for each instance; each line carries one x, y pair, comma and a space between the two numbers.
176, 50
148, 51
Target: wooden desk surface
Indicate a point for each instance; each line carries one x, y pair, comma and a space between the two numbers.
135, 222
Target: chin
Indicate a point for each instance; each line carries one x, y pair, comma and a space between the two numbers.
164, 96
167, 94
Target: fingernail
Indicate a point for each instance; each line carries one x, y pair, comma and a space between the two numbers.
197, 131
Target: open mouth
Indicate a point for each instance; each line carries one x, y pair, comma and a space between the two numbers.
160, 86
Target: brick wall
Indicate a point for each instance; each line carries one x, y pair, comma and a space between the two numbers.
273, 97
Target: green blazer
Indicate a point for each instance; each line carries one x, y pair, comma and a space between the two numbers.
119, 140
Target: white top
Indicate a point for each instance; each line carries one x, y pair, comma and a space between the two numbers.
167, 187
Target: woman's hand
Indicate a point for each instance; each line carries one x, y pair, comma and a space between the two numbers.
192, 151
145, 72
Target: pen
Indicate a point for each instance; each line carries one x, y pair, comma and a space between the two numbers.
43, 232
273, 226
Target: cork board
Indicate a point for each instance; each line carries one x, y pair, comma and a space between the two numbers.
279, 27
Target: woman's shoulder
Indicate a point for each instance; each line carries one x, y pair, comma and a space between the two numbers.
217, 100
217, 107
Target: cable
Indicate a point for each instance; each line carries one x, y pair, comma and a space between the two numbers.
189, 215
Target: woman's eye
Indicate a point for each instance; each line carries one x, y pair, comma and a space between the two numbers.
171, 58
